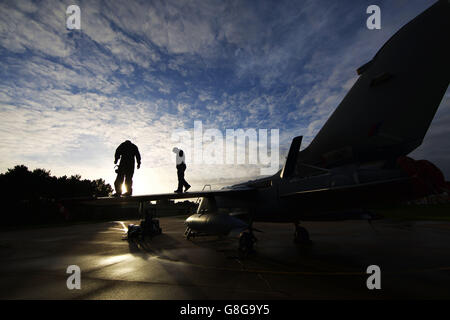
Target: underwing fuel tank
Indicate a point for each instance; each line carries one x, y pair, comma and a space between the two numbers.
217, 224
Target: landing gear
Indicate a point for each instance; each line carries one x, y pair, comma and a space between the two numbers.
148, 227
246, 242
301, 235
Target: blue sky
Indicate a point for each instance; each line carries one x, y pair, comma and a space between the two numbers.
139, 70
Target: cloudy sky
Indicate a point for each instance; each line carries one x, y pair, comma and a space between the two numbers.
141, 70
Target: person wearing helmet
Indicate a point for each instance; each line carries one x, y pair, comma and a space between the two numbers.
126, 152
181, 167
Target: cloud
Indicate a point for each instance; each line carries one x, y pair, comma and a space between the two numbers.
30, 26
142, 70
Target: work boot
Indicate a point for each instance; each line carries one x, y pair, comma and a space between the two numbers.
127, 194
187, 188
178, 191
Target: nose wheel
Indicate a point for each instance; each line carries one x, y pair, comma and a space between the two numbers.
301, 235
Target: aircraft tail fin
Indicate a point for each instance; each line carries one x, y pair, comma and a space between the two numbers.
390, 107
291, 160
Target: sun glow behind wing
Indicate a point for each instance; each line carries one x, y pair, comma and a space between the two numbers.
154, 180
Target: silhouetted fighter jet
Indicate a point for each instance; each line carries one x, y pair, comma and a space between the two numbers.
353, 161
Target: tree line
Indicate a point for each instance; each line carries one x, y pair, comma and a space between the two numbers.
20, 183
33, 197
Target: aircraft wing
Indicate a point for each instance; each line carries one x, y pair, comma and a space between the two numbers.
235, 193
357, 195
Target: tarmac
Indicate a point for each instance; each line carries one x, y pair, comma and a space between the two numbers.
413, 257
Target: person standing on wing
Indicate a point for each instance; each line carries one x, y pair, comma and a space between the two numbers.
126, 152
181, 167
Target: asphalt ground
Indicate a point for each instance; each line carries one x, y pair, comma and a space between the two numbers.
413, 257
